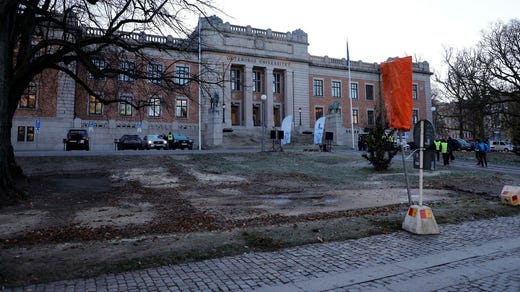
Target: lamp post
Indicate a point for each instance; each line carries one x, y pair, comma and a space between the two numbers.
300, 112
264, 98
223, 113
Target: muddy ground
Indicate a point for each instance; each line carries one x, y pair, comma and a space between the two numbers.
87, 215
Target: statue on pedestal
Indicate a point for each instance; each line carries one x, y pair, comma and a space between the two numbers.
214, 101
333, 108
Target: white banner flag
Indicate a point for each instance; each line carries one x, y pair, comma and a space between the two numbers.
286, 128
319, 127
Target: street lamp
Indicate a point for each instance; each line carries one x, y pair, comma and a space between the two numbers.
300, 112
264, 98
223, 113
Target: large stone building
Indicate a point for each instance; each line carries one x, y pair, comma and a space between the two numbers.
252, 76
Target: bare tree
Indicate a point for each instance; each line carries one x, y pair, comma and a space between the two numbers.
67, 35
465, 86
484, 82
501, 58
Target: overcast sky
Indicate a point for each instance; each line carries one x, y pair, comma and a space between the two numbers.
376, 29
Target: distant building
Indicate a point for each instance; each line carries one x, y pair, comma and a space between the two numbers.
241, 65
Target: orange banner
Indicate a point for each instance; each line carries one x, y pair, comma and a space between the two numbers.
397, 90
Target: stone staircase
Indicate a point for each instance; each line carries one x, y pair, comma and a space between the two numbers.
253, 138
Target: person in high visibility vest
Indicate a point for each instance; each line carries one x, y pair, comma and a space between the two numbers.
445, 152
437, 144
170, 140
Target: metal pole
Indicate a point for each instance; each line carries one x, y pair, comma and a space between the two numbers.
404, 167
200, 97
421, 161
350, 98
223, 113
263, 125
264, 99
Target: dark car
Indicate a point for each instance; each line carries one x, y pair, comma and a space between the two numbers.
154, 142
77, 139
182, 142
464, 145
130, 142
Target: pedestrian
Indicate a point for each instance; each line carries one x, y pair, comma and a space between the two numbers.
445, 152
482, 153
437, 143
451, 147
477, 156
170, 140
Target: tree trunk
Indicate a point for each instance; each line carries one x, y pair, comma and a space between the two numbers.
9, 170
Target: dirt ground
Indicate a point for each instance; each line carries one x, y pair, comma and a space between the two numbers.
87, 215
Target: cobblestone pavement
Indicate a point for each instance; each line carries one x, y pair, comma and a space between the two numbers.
473, 256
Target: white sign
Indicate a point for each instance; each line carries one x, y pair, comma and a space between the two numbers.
286, 128
319, 127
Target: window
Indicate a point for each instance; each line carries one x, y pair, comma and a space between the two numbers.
415, 94
30, 134
277, 82
182, 75
415, 116
355, 116
317, 87
181, 108
95, 107
336, 89
235, 79
127, 71
370, 117
28, 99
353, 90
154, 106
125, 105
257, 81
369, 91
25, 134
155, 73
21, 134
318, 112
99, 63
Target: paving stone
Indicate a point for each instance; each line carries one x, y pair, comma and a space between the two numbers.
402, 259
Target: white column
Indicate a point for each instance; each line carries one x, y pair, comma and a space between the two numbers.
269, 93
248, 96
226, 96
289, 97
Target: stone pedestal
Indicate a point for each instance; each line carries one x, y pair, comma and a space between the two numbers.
333, 124
213, 129
420, 220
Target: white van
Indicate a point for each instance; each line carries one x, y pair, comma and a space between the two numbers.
500, 146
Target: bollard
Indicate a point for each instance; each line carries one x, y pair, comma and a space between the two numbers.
420, 220
510, 195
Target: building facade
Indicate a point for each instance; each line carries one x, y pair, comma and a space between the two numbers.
252, 78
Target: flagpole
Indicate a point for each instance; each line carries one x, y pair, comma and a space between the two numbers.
200, 97
350, 99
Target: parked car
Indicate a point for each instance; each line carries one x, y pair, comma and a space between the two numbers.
500, 146
130, 142
182, 142
77, 139
154, 142
464, 145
